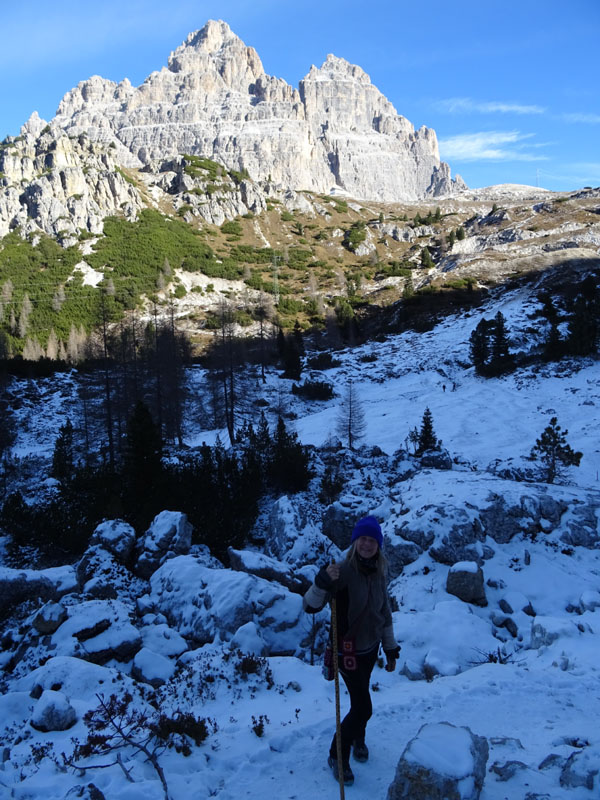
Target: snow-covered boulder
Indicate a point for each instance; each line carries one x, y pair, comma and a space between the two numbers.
98, 631
53, 712
463, 541
505, 517
583, 527
152, 668
398, 554
49, 618
116, 536
589, 600
547, 630
436, 459
338, 521
456, 640
248, 639
169, 535
162, 639
19, 585
78, 679
465, 581
204, 604
293, 539
101, 573
581, 768
263, 566
442, 762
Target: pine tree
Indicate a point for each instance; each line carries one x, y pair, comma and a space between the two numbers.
63, 458
289, 461
500, 357
427, 437
583, 330
554, 452
143, 465
553, 345
479, 346
426, 259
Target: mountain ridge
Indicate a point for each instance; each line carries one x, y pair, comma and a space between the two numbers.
336, 130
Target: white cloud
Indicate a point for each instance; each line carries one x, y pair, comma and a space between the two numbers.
588, 119
488, 146
462, 105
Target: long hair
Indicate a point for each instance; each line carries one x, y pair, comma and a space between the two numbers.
382, 564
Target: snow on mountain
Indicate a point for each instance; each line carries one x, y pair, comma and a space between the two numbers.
518, 666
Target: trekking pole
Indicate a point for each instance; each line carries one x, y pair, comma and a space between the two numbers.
336, 679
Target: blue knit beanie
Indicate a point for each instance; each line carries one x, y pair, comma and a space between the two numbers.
368, 526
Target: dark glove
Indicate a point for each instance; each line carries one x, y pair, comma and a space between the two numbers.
393, 653
323, 581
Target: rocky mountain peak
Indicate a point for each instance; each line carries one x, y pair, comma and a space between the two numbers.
216, 48
338, 69
337, 131
34, 125
212, 37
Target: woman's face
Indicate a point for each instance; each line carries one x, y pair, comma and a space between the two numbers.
366, 546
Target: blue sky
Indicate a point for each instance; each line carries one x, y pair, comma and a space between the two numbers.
511, 89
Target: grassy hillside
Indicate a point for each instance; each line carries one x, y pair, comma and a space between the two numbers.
300, 262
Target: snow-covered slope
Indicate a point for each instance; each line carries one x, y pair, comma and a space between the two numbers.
520, 671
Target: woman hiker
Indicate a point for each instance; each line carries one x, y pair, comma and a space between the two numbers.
364, 621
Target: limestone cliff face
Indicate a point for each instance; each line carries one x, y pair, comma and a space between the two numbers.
59, 184
215, 99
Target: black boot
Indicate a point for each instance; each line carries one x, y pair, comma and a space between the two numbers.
360, 749
347, 772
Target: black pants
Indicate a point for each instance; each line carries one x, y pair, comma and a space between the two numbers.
357, 682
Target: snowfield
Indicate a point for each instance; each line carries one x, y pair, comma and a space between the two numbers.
518, 667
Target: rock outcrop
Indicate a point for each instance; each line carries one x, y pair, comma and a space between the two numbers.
442, 762
61, 184
214, 99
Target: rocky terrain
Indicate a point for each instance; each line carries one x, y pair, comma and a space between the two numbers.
65, 186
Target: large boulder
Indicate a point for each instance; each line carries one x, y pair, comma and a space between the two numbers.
456, 639
465, 581
442, 762
49, 618
101, 573
436, 459
169, 535
98, 631
398, 554
292, 537
152, 668
583, 529
19, 585
115, 536
263, 566
463, 542
205, 604
339, 520
53, 712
